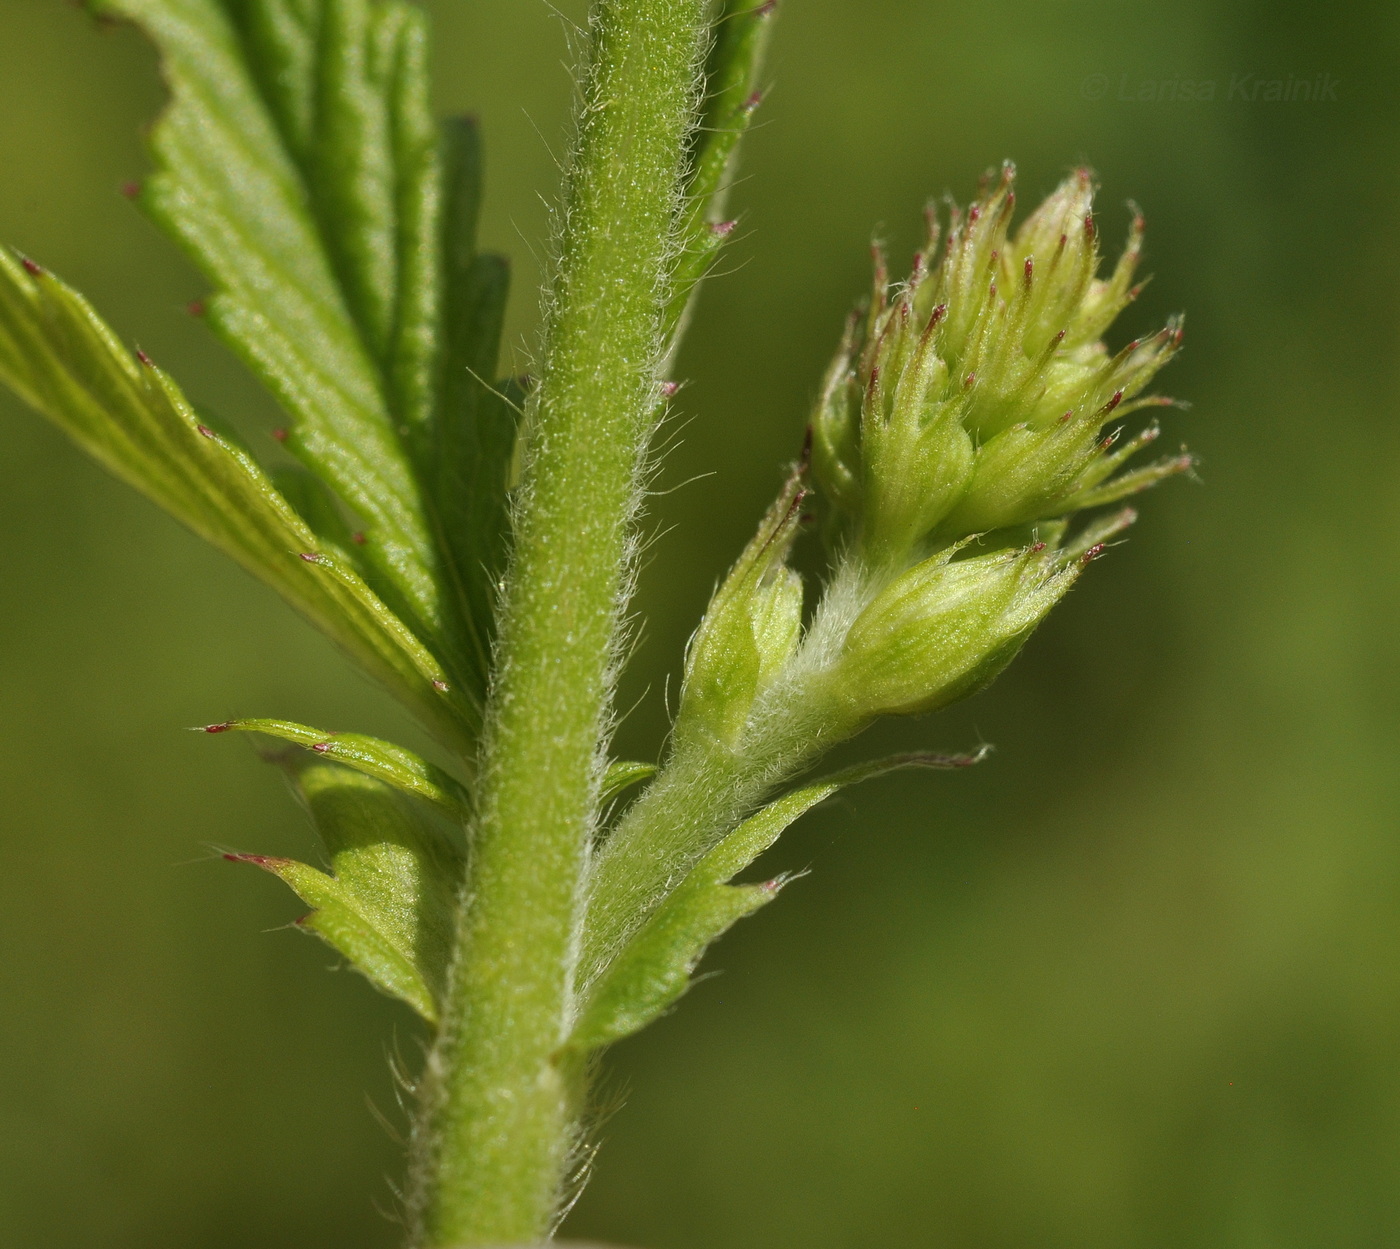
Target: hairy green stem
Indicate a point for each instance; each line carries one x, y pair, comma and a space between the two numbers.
708, 787
499, 1108
703, 792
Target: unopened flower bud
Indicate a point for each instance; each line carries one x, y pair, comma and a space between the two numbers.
946, 628
750, 630
975, 396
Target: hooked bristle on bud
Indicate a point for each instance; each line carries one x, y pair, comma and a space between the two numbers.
974, 397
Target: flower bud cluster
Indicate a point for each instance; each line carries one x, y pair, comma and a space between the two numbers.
975, 396
963, 421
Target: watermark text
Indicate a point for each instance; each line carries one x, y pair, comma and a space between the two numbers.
1245, 88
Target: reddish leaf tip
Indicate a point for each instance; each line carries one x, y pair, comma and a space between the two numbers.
224, 727
271, 862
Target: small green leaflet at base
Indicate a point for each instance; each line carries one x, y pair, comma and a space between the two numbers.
58, 355
389, 902
399, 767
655, 967
623, 774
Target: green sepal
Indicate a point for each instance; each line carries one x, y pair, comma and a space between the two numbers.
654, 969
1130, 483
751, 627
399, 767
621, 775
58, 355
389, 902
297, 166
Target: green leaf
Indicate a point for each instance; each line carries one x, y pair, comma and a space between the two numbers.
59, 356
298, 165
622, 774
476, 426
389, 902
399, 767
742, 28
653, 970
318, 507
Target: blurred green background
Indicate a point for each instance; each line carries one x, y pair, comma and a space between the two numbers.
1133, 983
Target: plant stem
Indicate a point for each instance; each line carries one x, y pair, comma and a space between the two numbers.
706, 787
499, 1112
700, 795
